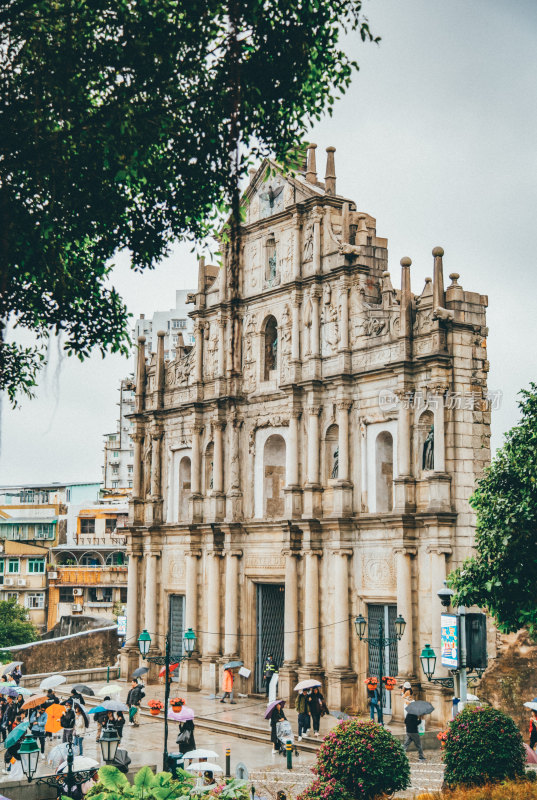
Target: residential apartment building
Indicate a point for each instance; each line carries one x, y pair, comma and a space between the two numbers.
174, 323
23, 577
89, 575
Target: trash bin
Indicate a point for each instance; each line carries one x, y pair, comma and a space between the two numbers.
175, 762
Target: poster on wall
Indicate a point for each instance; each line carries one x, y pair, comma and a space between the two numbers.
449, 638
122, 626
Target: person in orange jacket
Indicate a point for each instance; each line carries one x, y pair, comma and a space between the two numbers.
227, 686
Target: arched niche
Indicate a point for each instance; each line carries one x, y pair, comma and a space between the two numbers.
274, 476
423, 429
331, 453
384, 472
208, 468
185, 483
270, 347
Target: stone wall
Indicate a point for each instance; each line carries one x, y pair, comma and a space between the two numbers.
511, 679
97, 648
75, 623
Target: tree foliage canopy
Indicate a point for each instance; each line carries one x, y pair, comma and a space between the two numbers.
502, 576
128, 124
15, 627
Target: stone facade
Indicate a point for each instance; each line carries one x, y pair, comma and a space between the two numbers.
292, 449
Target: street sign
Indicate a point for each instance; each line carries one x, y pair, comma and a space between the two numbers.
122, 626
450, 640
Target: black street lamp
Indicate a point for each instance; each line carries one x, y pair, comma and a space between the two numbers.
29, 753
189, 645
381, 642
109, 742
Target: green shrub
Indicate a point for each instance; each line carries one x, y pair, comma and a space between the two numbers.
483, 744
364, 759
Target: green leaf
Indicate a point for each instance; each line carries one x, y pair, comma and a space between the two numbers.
112, 778
144, 778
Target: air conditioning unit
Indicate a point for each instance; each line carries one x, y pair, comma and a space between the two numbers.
9, 582
78, 592
78, 608
53, 576
21, 582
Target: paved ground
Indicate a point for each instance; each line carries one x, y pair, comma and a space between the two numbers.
145, 743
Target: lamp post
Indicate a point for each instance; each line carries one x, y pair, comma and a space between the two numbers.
381, 642
144, 645
108, 743
29, 754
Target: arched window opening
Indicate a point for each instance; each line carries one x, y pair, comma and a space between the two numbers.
384, 471
332, 452
65, 559
116, 559
184, 486
271, 347
274, 476
90, 560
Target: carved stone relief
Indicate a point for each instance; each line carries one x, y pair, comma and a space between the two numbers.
248, 377
378, 572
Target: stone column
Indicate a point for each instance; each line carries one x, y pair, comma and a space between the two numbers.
439, 431
312, 490
290, 646
311, 609
293, 490
315, 323
132, 599
297, 252
317, 218
231, 618
221, 348
213, 604
313, 444
295, 328
341, 609
198, 339
343, 407
156, 470
218, 466
344, 314
403, 561
137, 466
150, 613
190, 672
404, 490
195, 476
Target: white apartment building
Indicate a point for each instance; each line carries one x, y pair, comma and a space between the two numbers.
118, 446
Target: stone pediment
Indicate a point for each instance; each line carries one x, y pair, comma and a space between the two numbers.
270, 192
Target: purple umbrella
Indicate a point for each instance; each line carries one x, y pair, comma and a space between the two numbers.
272, 706
9, 691
184, 715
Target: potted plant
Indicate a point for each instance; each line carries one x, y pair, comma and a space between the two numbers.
177, 703
389, 682
155, 707
371, 683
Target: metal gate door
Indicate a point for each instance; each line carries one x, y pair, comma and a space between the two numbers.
177, 628
390, 666
270, 601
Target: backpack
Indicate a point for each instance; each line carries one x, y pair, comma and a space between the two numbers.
67, 719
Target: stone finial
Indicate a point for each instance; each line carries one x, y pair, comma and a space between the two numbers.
140, 376
330, 174
439, 297
345, 223
428, 288
160, 367
453, 277
405, 312
311, 165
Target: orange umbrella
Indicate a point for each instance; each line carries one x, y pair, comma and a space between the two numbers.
54, 712
163, 670
35, 700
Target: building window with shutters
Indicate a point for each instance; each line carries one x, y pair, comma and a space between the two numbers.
36, 566
35, 600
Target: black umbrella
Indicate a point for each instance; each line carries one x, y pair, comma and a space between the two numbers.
419, 708
122, 761
83, 689
140, 671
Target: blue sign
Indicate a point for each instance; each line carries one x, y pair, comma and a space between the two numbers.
122, 626
449, 640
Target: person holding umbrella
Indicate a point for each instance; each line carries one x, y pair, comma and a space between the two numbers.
227, 686
17, 675
67, 721
38, 720
415, 710
302, 706
185, 737
134, 698
81, 723
276, 715
318, 708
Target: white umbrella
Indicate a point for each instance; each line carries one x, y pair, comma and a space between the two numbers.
309, 684
58, 754
109, 689
52, 681
471, 698
193, 754
204, 766
79, 763
532, 705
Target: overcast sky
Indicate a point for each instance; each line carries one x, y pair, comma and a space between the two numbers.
436, 138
